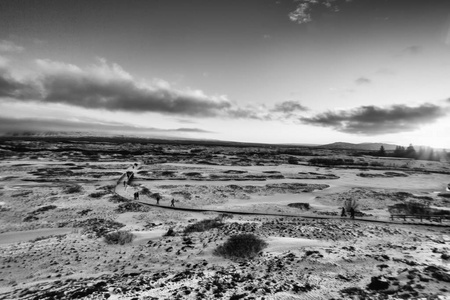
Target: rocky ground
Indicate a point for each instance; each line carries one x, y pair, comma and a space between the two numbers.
350, 259
56, 208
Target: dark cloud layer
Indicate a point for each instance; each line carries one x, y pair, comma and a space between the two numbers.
12, 125
373, 120
10, 87
108, 86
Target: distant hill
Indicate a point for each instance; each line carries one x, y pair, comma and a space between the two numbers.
362, 146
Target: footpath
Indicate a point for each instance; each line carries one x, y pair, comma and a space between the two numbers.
121, 190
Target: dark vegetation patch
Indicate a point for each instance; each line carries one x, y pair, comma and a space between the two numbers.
271, 172
98, 226
119, 237
115, 198
193, 174
53, 172
107, 188
30, 218
77, 168
444, 195
84, 212
382, 175
245, 245
415, 208
168, 173
300, 205
72, 189
276, 176
22, 194
170, 232
235, 172
332, 161
131, 207
98, 194
203, 225
43, 209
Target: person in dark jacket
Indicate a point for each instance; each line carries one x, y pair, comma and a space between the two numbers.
352, 213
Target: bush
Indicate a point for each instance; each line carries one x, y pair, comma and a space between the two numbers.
131, 207
43, 209
244, 245
170, 232
97, 226
300, 205
97, 194
203, 225
72, 189
117, 199
351, 203
119, 237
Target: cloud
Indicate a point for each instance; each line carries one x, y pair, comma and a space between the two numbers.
289, 107
8, 46
305, 9
362, 80
14, 125
373, 120
108, 86
13, 88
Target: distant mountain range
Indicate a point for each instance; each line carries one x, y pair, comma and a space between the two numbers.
101, 135
362, 146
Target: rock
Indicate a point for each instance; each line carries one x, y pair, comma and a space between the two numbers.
438, 272
382, 266
378, 283
355, 291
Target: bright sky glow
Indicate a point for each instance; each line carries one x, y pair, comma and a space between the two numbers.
279, 71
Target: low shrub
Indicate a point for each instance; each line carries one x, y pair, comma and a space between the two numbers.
97, 194
117, 199
300, 205
245, 245
131, 207
30, 218
44, 209
99, 227
72, 189
119, 238
22, 194
203, 225
170, 232
351, 203
193, 174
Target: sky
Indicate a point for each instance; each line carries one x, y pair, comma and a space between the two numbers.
268, 71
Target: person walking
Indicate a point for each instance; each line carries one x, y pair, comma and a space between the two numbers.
172, 202
157, 199
352, 213
343, 214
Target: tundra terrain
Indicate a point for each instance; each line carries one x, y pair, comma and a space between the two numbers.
59, 198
